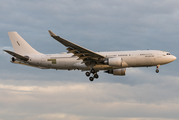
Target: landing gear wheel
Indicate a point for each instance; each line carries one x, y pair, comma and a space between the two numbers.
96, 76
91, 78
92, 71
157, 71
87, 74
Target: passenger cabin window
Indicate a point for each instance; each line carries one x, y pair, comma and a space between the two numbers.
168, 54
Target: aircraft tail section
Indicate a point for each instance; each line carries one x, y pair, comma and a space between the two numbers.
20, 45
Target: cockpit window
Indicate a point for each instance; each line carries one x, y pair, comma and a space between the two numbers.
168, 54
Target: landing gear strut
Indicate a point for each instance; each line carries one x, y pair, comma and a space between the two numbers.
95, 75
157, 70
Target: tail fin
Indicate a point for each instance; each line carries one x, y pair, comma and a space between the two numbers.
20, 45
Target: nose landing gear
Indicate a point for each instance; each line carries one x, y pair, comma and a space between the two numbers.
157, 70
95, 75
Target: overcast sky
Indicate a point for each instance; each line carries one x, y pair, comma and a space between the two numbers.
100, 25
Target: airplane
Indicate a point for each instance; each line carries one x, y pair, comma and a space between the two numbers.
83, 59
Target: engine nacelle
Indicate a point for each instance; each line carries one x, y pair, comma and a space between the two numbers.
116, 62
120, 72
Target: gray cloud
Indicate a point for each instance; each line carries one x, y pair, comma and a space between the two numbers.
85, 101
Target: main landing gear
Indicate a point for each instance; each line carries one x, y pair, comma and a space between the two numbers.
157, 70
95, 75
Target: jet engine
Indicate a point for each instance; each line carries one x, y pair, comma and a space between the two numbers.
116, 62
120, 72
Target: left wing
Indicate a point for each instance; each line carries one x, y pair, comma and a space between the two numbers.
81, 52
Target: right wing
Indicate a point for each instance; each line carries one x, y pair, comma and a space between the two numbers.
81, 52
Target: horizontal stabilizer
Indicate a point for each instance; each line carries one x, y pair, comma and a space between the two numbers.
17, 55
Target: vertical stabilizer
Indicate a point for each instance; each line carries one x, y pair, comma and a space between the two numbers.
20, 45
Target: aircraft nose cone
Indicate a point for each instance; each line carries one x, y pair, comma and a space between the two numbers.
173, 58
